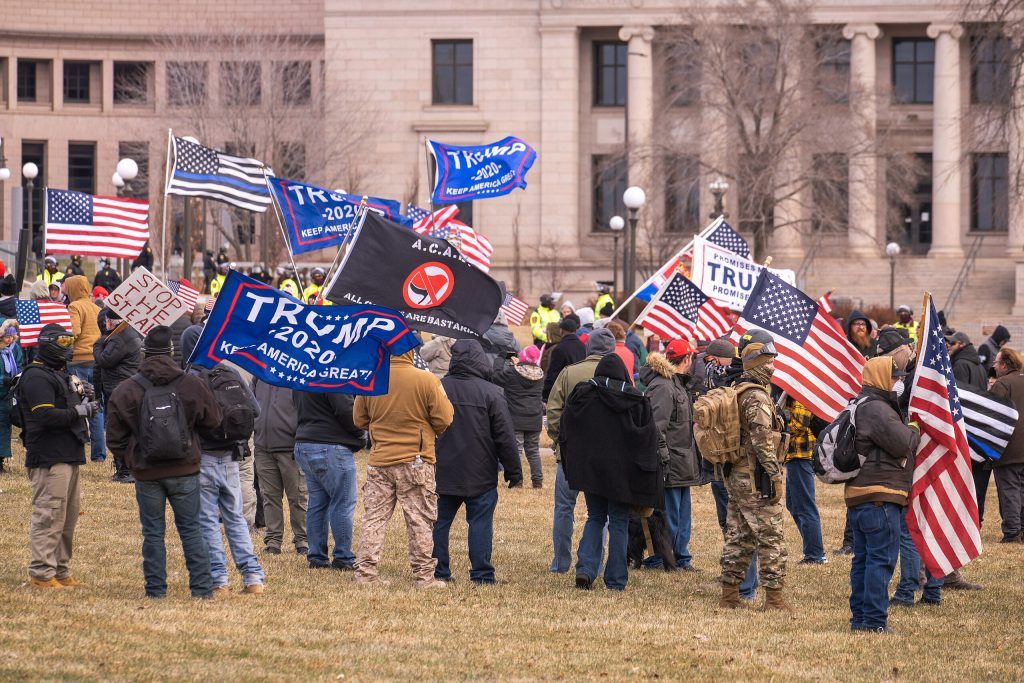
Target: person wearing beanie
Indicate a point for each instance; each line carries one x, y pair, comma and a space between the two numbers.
987, 353
54, 433
12, 362
523, 382
84, 326
600, 344
174, 481
8, 297
117, 354
569, 349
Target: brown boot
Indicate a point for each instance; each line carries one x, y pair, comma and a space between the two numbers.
730, 597
774, 600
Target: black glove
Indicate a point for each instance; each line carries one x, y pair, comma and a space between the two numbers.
515, 481
87, 409
10, 381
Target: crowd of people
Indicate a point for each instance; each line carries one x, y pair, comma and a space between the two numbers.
628, 414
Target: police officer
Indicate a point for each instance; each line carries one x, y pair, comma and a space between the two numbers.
222, 275
51, 274
288, 282
907, 322
755, 483
604, 299
541, 316
317, 275
55, 425
107, 277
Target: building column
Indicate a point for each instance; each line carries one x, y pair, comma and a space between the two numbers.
639, 124
863, 219
946, 156
1015, 188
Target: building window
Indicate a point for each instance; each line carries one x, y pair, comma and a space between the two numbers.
139, 151
682, 193
830, 193
131, 82
913, 70
295, 82
610, 74
990, 202
290, 160
757, 199
833, 55
452, 71
76, 82
240, 84
27, 80
82, 167
990, 69
682, 75
186, 83
35, 152
608, 176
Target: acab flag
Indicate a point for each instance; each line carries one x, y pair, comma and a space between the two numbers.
465, 173
436, 288
322, 349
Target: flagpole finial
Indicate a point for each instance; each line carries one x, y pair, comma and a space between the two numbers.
767, 261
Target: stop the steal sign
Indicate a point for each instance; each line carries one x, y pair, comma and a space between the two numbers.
145, 302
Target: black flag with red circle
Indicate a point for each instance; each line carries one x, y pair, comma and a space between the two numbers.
425, 278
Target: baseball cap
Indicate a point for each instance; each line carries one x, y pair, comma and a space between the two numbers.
958, 338
678, 348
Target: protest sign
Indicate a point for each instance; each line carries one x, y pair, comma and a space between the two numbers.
727, 277
145, 302
465, 173
324, 349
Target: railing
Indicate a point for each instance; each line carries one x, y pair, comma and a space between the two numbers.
961, 278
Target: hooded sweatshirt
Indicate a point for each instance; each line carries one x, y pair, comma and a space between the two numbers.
523, 384
83, 317
872, 348
39, 291
600, 344
989, 349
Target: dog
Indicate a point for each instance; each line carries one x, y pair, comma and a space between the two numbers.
648, 535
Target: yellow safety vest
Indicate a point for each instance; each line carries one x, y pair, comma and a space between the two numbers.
290, 286
911, 329
539, 320
216, 284
312, 290
49, 279
603, 301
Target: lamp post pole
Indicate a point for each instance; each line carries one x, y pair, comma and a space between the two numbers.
892, 250
127, 170
29, 171
634, 198
718, 189
616, 224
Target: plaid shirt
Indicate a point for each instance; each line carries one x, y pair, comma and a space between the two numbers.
801, 438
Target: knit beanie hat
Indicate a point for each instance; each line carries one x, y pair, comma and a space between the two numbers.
158, 341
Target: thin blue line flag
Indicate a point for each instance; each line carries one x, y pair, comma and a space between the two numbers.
479, 171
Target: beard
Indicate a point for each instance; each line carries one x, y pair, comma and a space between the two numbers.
861, 339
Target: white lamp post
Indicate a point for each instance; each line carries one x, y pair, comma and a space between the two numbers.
634, 198
892, 250
616, 224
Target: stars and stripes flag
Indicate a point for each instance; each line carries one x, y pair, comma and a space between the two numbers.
681, 311
816, 364
988, 421
475, 247
724, 236
421, 217
204, 172
943, 513
33, 316
826, 302
514, 308
95, 225
184, 292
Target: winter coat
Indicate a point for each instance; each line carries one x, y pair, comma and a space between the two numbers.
989, 349
636, 345
1011, 386
498, 342
8, 307
189, 339
437, 354
554, 334
609, 441
523, 384
123, 408
178, 328
566, 352
673, 414
481, 434
108, 279
872, 350
209, 439
278, 418
564, 384
5, 377
83, 317
888, 446
404, 422
48, 410
117, 356
968, 370
327, 418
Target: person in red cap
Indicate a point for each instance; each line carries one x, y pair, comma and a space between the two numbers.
666, 375
99, 294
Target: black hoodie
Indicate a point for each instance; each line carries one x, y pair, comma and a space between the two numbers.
872, 349
481, 434
968, 370
989, 349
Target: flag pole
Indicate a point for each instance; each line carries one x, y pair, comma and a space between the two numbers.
163, 222
284, 235
356, 220
431, 179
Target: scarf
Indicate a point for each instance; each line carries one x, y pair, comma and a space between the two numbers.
761, 374
10, 364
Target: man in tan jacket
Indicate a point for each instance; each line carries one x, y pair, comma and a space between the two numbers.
84, 326
402, 427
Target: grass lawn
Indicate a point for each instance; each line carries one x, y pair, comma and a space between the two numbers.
320, 625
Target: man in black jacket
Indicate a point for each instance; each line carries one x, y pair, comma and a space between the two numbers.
325, 440
54, 433
107, 277
117, 354
274, 443
967, 368
468, 454
990, 348
567, 351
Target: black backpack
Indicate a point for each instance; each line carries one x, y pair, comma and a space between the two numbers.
239, 418
835, 459
164, 434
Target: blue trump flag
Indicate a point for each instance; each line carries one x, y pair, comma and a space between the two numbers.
479, 171
324, 349
316, 218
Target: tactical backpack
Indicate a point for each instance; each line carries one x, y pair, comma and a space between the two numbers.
835, 459
235, 407
716, 423
164, 435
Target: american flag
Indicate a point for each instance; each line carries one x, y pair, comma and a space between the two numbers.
186, 293
727, 238
210, 302
421, 217
475, 247
203, 172
514, 308
682, 311
95, 225
816, 365
33, 316
943, 514
826, 302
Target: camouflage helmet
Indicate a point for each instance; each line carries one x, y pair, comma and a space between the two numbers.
753, 336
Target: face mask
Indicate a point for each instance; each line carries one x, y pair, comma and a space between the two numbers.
898, 388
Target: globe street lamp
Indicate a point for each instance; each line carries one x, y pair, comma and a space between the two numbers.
892, 250
5, 172
718, 189
634, 198
29, 171
616, 224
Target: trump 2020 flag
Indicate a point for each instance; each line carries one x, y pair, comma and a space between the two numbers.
324, 349
316, 218
435, 287
465, 173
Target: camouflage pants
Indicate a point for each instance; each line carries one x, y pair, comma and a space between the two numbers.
412, 486
752, 524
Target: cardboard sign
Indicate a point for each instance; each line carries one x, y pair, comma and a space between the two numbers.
727, 277
145, 302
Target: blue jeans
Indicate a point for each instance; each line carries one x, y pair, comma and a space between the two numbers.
876, 544
183, 495
222, 497
749, 586
680, 522
601, 511
802, 506
330, 472
480, 517
910, 568
561, 527
721, 501
98, 450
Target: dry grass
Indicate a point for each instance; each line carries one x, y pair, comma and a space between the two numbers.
319, 625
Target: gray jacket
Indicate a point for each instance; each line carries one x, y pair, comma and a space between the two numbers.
277, 421
673, 414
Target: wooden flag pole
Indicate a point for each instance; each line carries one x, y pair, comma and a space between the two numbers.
163, 222
357, 219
